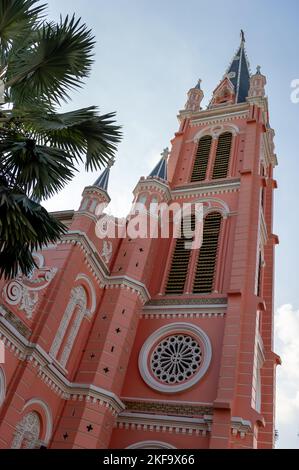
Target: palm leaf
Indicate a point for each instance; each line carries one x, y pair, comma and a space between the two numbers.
38, 169
56, 63
24, 226
83, 133
17, 20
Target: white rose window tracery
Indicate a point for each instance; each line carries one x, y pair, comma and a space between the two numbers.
176, 359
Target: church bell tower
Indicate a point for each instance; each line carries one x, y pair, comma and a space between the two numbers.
201, 372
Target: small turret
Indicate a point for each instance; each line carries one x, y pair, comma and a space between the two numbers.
195, 97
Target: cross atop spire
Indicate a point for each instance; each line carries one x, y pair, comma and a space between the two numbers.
165, 153
242, 35
198, 84
160, 169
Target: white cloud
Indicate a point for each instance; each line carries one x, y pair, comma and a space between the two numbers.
287, 404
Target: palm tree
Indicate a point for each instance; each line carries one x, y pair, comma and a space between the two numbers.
40, 62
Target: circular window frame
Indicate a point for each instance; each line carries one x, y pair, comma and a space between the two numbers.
158, 335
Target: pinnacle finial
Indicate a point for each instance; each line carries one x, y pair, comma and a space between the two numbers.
111, 162
165, 153
242, 34
258, 70
198, 84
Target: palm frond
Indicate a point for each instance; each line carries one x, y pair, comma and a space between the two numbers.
55, 64
17, 20
89, 137
39, 170
24, 226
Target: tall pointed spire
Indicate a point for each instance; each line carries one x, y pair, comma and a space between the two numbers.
160, 169
102, 181
238, 72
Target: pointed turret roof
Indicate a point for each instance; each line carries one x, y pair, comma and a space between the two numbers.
160, 169
238, 72
102, 181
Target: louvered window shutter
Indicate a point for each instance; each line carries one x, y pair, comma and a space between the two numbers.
201, 159
206, 263
180, 259
221, 164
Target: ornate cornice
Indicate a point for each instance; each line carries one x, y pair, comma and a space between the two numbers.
51, 376
164, 407
217, 115
150, 183
99, 269
205, 189
178, 314
222, 301
162, 423
15, 321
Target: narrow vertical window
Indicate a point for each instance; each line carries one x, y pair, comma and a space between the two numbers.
180, 258
206, 263
201, 159
221, 164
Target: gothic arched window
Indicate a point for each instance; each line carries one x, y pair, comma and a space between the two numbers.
221, 163
69, 325
201, 159
206, 263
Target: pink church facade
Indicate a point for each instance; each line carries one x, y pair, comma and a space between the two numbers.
142, 342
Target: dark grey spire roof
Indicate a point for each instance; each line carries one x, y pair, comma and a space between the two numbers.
238, 72
160, 169
102, 181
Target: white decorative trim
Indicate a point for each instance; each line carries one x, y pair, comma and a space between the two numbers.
150, 183
215, 130
173, 328
106, 252
155, 315
77, 299
51, 376
48, 414
202, 190
92, 291
167, 400
27, 432
2, 386
151, 445
164, 423
99, 269
23, 291
240, 426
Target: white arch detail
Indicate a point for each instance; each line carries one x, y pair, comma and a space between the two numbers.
215, 130
92, 292
2, 386
151, 445
49, 420
212, 204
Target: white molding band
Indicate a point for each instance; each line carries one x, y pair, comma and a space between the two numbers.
2, 386
151, 445
154, 338
51, 376
49, 421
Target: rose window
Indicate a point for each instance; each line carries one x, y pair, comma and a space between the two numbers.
176, 359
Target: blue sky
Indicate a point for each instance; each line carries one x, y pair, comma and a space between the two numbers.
148, 54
